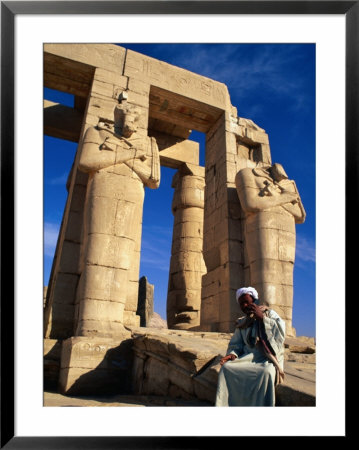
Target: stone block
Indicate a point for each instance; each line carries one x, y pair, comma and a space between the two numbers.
138, 99
107, 76
184, 300
100, 107
109, 251
185, 151
131, 319
65, 288
103, 88
138, 86
271, 271
286, 246
78, 198
188, 229
210, 310
103, 283
156, 380
186, 243
52, 349
101, 310
70, 257
262, 244
106, 184
188, 215
132, 296
93, 364
270, 219
186, 261
107, 56
61, 320
74, 227
276, 294
176, 80
186, 280
99, 328
145, 301
211, 258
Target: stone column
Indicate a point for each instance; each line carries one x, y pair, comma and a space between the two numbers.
63, 301
145, 301
187, 264
272, 208
120, 162
230, 144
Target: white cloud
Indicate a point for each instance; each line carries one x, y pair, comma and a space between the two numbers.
305, 249
156, 247
51, 232
61, 180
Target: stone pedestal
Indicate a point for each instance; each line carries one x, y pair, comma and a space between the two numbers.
96, 365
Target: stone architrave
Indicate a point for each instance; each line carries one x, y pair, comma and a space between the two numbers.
119, 163
145, 301
272, 207
187, 265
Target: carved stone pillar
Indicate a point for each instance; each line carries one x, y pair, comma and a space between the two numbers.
187, 265
145, 301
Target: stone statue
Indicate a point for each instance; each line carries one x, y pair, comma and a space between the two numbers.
272, 207
120, 162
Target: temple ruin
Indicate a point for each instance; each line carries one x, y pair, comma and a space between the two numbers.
222, 240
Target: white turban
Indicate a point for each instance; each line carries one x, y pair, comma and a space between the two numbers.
247, 290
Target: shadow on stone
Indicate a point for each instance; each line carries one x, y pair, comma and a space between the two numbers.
111, 376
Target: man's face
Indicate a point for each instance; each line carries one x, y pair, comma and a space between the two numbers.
244, 301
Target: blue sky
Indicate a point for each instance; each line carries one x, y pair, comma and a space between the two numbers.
272, 84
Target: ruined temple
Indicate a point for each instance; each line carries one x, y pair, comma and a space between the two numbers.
133, 114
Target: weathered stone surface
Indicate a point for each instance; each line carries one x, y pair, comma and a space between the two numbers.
113, 218
187, 365
92, 364
187, 265
96, 268
175, 79
179, 153
272, 206
145, 301
107, 56
157, 321
52, 358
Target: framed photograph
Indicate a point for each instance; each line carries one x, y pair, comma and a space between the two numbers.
330, 29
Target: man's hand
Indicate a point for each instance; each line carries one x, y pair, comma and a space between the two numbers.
230, 357
255, 310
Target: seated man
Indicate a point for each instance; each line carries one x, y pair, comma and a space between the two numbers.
254, 361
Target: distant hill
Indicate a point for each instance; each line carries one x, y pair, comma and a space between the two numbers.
157, 321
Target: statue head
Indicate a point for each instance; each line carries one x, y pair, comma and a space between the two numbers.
126, 119
277, 172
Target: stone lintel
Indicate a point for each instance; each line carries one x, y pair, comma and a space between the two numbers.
62, 122
179, 153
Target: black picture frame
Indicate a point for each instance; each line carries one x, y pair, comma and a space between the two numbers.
9, 10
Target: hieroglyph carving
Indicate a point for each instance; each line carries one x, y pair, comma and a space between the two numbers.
272, 207
120, 163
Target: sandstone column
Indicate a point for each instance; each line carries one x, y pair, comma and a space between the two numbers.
231, 143
119, 163
187, 264
145, 301
272, 207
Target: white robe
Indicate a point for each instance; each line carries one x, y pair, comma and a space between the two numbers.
249, 380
